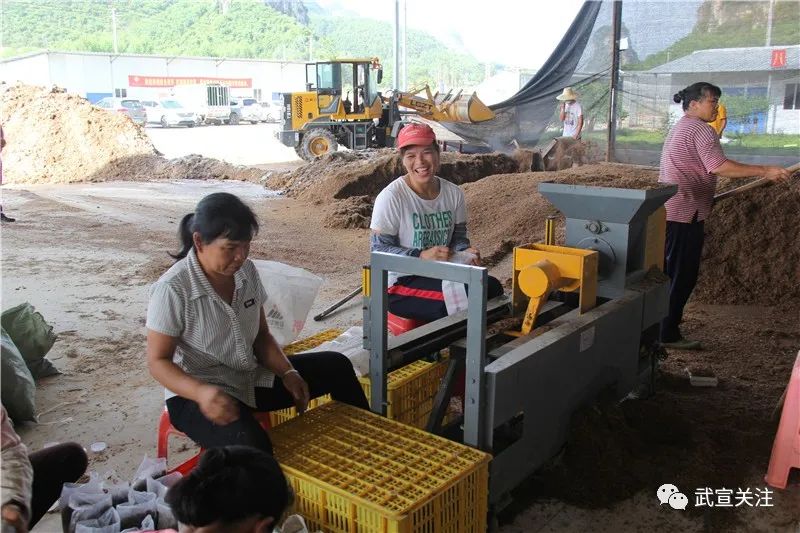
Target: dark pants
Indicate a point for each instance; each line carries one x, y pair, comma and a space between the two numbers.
421, 298
684, 248
52, 467
325, 372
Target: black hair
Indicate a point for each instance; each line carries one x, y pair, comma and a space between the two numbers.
696, 92
228, 485
220, 214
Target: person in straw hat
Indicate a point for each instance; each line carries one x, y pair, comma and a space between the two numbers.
570, 113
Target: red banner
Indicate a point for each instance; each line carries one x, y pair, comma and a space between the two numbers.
172, 81
779, 58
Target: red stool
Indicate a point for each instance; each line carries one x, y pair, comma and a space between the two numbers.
399, 325
165, 429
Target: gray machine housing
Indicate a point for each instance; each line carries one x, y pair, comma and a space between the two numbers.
538, 380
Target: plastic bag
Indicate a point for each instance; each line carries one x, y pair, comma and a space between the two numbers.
108, 522
85, 506
132, 514
33, 336
290, 295
18, 388
150, 468
160, 486
118, 492
165, 518
350, 343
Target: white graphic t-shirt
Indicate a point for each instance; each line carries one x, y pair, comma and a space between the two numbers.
572, 112
419, 223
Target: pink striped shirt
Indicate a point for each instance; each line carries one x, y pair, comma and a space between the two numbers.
691, 153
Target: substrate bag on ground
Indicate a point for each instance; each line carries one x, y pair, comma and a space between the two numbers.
33, 336
18, 388
290, 294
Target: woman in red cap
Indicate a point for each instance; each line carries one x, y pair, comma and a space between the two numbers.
422, 215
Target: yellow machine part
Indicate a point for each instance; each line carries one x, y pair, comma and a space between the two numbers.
306, 107
656, 239
445, 108
540, 269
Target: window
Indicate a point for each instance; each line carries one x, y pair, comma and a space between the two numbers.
791, 99
121, 93
257, 94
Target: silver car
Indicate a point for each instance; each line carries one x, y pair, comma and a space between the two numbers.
127, 106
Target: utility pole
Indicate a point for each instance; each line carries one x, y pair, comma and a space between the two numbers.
114, 28
616, 29
396, 79
769, 22
404, 55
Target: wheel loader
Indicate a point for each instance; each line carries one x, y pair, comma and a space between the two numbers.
342, 106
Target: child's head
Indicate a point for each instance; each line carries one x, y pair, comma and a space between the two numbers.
235, 489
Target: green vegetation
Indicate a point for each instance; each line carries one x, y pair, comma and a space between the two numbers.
743, 24
246, 29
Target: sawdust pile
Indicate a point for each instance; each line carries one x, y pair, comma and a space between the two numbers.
57, 137
354, 212
752, 248
507, 210
345, 174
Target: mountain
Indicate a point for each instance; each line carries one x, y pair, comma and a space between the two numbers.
273, 29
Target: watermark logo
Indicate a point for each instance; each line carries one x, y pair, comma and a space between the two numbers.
707, 497
670, 495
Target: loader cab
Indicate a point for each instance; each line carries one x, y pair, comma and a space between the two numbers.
346, 89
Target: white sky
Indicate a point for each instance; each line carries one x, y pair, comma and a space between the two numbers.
519, 33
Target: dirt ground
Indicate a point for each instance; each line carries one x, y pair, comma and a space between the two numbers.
85, 255
86, 247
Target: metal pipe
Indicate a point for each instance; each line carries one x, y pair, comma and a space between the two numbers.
550, 230
616, 28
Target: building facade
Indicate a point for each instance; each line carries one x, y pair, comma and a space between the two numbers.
97, 75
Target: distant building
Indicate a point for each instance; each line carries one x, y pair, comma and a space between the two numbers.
96, 75
771, 71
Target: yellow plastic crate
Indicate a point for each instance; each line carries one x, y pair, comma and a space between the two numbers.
311, 342
410, 391
353, 471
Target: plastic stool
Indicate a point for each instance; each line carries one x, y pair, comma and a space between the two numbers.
399, 325
165, 429
786, 448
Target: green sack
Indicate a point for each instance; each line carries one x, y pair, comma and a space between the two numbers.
18, 388
33, 337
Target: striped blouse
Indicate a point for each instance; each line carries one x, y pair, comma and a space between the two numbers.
691, 153
215, 340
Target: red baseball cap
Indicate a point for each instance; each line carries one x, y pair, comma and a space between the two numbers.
416, 134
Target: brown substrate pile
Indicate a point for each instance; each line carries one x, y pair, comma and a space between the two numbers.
57, 137
507, 210
345, 174
752, 248
354, 212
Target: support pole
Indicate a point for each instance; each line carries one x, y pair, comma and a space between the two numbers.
397, 80
616, 28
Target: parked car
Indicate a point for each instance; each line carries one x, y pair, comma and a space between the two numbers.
249, 110
169, 113
272, 112
127, 106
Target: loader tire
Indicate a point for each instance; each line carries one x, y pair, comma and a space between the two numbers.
317, 143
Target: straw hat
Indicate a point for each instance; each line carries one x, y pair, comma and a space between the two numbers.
567, 94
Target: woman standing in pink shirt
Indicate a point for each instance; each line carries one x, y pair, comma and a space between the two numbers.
692, 159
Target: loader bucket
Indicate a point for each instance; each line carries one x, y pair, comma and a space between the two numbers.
467, 108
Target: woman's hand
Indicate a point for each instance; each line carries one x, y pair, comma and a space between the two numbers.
12, 515
477, 261
298, 388
217, 406
435, 253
